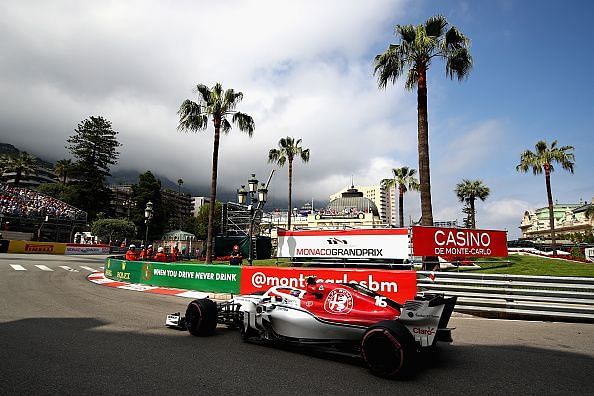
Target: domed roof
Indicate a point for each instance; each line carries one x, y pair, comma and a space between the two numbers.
353, 201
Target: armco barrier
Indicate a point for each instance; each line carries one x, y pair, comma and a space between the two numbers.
515, 296
208, 278
81, 249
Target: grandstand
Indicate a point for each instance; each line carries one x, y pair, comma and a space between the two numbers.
41, 216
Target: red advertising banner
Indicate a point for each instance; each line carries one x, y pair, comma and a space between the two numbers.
399, 286
458, 242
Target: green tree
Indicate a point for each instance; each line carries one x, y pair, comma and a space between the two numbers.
63, 169
220, 106
22, 165
201, 230
94, 147
288, 150
148, 189
112, 229
67, 193
542, 160
404, 179
418, 47
469, 191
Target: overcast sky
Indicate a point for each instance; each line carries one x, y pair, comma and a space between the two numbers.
306, 70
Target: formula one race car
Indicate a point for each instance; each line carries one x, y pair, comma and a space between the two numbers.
337, 317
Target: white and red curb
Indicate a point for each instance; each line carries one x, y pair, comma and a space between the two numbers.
100, 279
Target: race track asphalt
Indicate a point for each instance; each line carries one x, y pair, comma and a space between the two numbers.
61, 334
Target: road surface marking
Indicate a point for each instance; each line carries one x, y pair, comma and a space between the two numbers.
17, 267
88, 268
44, 268
67, 268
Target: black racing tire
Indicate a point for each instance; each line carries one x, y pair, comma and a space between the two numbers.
201, 317
389, 350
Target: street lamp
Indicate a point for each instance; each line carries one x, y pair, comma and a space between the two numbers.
148, 215
258, 197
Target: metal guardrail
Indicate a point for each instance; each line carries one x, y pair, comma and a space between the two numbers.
567, 299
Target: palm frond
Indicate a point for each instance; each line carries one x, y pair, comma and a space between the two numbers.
191, 117
435, 26
225, 126
244, 122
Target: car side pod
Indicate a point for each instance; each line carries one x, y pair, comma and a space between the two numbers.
389, 350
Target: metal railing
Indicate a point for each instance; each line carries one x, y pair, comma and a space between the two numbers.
569, 299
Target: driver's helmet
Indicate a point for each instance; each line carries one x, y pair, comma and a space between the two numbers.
236, 248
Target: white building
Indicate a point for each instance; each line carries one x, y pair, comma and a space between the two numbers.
385, 199
198, 202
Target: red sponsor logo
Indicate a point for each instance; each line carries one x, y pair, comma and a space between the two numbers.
457, 242
339, 301
399, 286
37, 248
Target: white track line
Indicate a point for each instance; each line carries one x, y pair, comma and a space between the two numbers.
44, 268
88, 268
17, 267
67, 268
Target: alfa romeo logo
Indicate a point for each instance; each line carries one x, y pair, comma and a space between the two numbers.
339, 301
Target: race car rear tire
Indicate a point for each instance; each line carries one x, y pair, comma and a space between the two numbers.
201, 317
389, 350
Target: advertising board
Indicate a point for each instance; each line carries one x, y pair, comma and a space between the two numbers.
214, 278
458, 242
36, 247
384, 243
396, 285
74, 249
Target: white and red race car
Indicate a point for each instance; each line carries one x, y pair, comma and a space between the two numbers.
338, 317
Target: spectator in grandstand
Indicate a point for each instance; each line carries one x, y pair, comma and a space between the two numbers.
131, 254
160, 256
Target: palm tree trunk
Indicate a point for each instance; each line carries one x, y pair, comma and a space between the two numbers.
472, 212
17, 177
547, 169
401, 205
290, 193
423, 143
213, 190
429, 262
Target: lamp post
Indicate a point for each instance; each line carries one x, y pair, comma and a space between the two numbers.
148, 215
258, 197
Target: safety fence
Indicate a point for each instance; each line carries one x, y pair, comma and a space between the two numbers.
515, 296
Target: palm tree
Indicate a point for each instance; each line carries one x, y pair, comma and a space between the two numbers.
63, 168
468, 191
288, 150
404, 179
22, 165
542, 160
413, 55
219, 105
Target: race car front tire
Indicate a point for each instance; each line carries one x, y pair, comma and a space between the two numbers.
389, 350
201, 317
